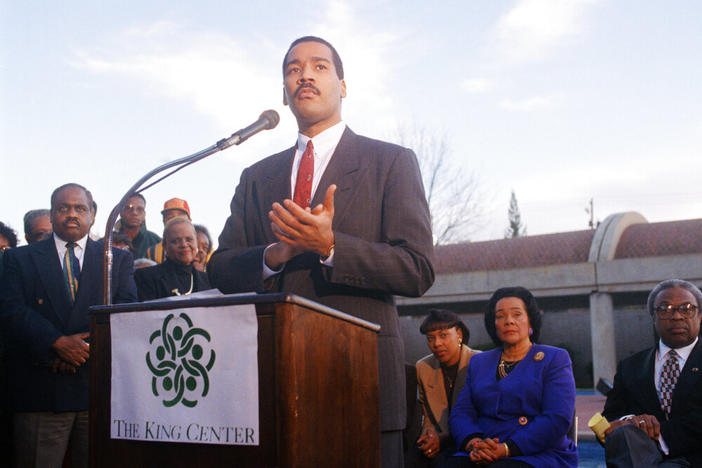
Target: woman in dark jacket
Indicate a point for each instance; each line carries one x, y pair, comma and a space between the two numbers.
176, 276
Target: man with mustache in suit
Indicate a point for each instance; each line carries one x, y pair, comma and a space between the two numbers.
45, 293
339, 218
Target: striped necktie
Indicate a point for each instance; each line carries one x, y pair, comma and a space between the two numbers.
71, 270
669, 377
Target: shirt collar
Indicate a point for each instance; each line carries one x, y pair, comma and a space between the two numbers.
683, 352
61, 244
324, 141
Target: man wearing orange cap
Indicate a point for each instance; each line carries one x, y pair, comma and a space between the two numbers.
173, 208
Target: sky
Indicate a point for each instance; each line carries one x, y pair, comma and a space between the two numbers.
560, 101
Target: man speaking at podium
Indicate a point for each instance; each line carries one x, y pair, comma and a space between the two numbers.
339, 218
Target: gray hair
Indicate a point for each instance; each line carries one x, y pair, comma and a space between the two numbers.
673, 283
31, 215
174, 222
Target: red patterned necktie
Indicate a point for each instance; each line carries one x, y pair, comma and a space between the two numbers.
669, 377
305, 174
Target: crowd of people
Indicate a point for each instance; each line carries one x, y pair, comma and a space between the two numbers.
514, 405
130, 233
340, 219
46, 288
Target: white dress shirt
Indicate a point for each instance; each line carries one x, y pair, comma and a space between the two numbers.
324, 145
78, 250
662, 356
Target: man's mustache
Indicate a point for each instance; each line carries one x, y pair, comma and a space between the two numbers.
306, 85
71, 220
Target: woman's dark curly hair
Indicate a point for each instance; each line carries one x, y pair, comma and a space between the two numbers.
8, 233
531, 307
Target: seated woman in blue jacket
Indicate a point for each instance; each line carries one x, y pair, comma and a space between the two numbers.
519, 398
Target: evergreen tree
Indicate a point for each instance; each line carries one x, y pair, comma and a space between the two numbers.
516, 228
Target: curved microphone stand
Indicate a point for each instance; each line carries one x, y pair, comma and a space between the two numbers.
268, 119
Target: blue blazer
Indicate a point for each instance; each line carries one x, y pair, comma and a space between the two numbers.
36, 310
533, 406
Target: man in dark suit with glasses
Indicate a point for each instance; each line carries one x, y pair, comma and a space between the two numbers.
655, 407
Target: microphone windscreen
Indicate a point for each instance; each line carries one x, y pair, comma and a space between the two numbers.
271, 117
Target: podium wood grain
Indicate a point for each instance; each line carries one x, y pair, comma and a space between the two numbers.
318, 394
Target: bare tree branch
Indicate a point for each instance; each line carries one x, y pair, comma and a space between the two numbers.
454, 193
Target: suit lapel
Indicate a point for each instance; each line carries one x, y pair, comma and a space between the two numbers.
437, 396
344, 170
646, 382
46, 261
169, 279
277, 186
689, 375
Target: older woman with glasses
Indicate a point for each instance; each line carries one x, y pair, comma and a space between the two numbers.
519, 398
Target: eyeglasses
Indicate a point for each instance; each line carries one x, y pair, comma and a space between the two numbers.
686, 310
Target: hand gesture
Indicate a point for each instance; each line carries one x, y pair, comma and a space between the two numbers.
428, 442
486, 451
646, 422
72, 349
305, 230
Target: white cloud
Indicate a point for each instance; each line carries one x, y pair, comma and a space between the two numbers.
526, 105
533, 28
476, 85
211, 70
224, 77
370, 59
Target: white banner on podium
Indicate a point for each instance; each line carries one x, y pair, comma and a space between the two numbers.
186, 375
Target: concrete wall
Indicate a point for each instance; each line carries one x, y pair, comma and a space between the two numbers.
616, 276
635, 332
578, 300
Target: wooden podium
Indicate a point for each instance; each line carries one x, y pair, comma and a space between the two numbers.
318, 391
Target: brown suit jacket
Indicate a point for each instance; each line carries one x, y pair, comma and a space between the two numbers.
383, 246
432, 394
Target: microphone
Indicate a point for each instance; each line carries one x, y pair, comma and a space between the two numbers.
267, 120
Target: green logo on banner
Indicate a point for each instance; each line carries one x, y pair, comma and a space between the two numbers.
180, 371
